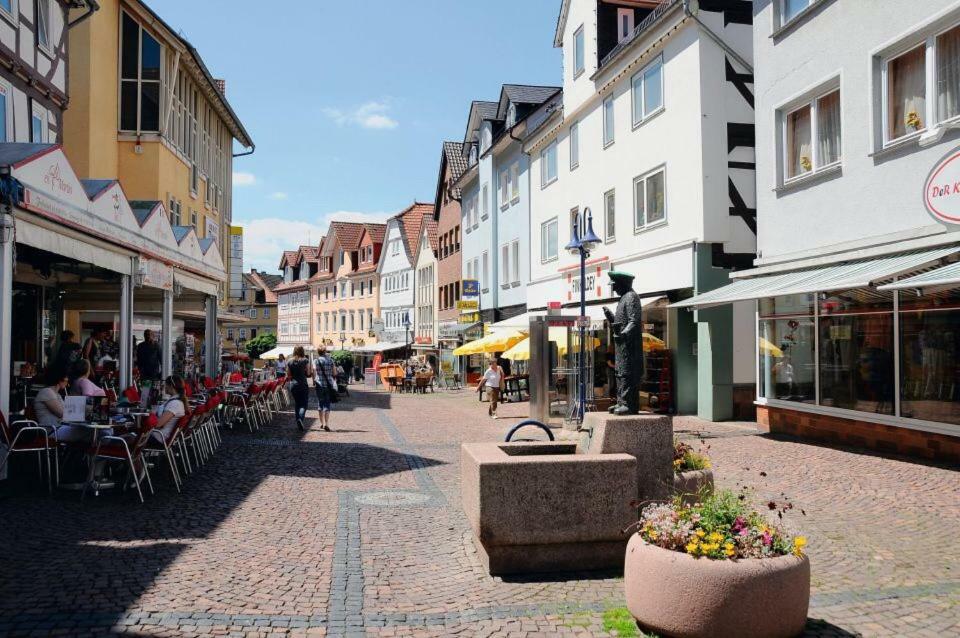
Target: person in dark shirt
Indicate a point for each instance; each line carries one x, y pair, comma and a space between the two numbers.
67, 354
148, 357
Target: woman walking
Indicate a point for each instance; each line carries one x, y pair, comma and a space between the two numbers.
325, 385
298, 370
492, 380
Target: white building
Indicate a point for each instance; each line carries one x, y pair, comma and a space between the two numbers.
654, 134
857, 188
397, 273
426, 316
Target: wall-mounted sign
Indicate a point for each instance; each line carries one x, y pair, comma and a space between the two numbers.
423, 340
941, 192
471, 288
468, 304
155, 274
469, 317
597, 284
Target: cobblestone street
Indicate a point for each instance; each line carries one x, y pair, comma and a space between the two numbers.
359, 532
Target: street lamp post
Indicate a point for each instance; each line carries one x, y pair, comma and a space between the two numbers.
343, 339
581, 246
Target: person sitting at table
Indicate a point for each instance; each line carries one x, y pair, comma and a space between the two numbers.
173, 406
48, 407
80, 383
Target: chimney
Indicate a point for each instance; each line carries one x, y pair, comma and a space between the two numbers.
221, 86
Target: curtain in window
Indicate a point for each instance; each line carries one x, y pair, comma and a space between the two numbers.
948, 74
799, 149
907, 89
828, 128
656, 204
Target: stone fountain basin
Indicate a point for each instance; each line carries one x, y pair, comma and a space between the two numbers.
541, 507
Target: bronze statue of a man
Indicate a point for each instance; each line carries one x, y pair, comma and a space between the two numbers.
627, 326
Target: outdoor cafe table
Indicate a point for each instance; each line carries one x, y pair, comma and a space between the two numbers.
91, 481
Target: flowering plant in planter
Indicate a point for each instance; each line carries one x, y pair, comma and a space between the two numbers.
686, 459
719, 526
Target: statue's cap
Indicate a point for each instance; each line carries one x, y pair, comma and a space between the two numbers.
619, 275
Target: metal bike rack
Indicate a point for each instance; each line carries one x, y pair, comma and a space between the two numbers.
540, 425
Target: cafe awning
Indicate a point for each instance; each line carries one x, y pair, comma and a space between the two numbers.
374, 348
860, 273
945, 276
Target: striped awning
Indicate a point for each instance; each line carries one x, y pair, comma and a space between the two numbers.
851, 274
945, 276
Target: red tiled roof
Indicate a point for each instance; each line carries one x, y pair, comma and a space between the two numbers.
410, 221
376, 232
347, 234
309, 252
320, 276
294, 285
289, 258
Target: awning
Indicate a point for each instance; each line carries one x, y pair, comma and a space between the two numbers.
946, 276
495, 342
73, 245
197, 284
270, 355
852, 274
520, 322
374, 348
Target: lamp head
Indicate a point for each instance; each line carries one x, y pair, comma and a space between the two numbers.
573, 247
590, 239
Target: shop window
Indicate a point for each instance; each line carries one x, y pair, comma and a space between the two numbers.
786, 348
856, 351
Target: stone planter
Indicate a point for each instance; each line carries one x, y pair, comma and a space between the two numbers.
690, 485
675, 594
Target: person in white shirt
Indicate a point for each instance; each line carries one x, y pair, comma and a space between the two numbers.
173, 406
492, 380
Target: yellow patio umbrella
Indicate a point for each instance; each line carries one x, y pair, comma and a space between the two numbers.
558, 335
496, 342
651, 342
768, 348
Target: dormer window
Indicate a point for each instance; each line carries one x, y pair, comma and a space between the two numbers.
624, 24
511, 115
288, 274
304, 271
473, 154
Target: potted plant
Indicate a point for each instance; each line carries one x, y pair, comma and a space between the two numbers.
692, 473
716, 568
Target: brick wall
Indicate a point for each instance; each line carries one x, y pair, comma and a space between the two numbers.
863, 434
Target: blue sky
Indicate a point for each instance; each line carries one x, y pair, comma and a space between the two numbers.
348, 102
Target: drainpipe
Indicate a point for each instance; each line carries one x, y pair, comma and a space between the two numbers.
692, 14
253, 147
92, 7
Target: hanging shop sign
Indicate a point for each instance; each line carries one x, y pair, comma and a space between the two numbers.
423, 340
469, 317
471, 288
468, 304
941, 192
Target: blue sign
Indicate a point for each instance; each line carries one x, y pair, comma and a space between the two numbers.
471, 288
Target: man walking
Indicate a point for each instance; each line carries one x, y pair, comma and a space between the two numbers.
325, 385
148, 357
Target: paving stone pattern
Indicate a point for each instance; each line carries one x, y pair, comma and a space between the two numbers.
359, 532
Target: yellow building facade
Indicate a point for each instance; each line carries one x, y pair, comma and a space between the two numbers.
144, 109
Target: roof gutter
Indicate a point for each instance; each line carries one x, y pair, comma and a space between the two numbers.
712, 35
92, 7
253, 147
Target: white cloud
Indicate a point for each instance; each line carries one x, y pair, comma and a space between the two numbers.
370, 115
265, 239
278, 195
244, 179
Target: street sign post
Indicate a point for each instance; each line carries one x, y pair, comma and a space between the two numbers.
471, 288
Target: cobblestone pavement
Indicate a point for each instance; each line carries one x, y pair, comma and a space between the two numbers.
359, 532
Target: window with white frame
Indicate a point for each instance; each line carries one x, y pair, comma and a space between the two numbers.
608, 124
610, 214
253, 313
812, 139
43, 23
505, 265
650, 199
916, 98
394, 247
504, 189
5, 111
548, 240
515, 261
790, 9
39, 131
7, 7
266, 313
548, 165
646, 91
624, 24
484, 201
514, 182
574, 145
485, 279
243, 333
579, 55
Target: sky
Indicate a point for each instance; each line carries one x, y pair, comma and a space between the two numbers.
348, 102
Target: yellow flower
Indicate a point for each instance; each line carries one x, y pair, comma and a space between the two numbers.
677, 463
652, 534
700, 533
728, 549
716, 536
692, 547
798, 544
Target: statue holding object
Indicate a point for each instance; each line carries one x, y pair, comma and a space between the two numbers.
627, 325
